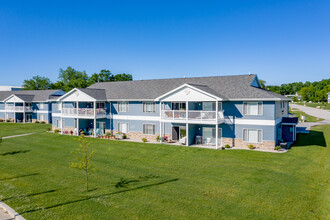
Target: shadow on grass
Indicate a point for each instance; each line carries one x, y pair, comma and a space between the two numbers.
125, 182
100, 196
31, 194
20, 176
312, 138
15, 152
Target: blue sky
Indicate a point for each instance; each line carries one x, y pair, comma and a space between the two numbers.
281, 41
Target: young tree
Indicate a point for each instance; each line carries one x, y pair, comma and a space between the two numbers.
83, 157
37, 83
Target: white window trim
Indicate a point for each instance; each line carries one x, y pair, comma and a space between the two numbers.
123, 123
58, 106
123, 103
148, 124
262, 132
153, 107
41, 105
259, 114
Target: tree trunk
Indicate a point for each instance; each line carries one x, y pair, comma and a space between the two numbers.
86, 180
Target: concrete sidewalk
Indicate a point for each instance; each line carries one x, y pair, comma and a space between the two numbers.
319, 113
19, 135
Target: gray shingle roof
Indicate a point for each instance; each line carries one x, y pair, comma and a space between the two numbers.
38, 95
98, 94
227, 87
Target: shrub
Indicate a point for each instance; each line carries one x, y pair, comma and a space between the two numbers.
227, 146
278, 148
48, 129
43, 122
37, 122
8, 120
251, 146
1, 120
71, 132
108, 134
144, 140
124, 136
56, 131
157, 138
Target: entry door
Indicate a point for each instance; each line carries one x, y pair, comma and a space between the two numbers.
175, 133
28, 117
101, 127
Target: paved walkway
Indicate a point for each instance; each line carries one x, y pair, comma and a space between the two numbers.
19, 135
4, 215
319, 113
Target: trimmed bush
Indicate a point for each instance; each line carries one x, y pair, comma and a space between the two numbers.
227, 146
48, 129
37, 122
251, 146
43, 122
56, 131
278, 148
144, 140
124, 136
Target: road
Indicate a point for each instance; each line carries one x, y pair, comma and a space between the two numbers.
319, 113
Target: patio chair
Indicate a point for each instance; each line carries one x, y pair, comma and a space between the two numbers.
183, 141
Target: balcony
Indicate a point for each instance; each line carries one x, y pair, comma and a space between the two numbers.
84, 112
193, 115
19, 108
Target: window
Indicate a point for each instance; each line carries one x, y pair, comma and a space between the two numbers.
282, 104
122, 106
149, 107
41, 117
100, 105
252, 135
41, 105
252, 108
58, 106
149, 129
178, 106
58, 123
123, 127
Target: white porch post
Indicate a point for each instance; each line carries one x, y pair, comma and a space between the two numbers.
216, 126
77, 107
187, 134
94, 105
77, 126
110, 117
23, 112
160, 122
14, 112
61, 117
187, 110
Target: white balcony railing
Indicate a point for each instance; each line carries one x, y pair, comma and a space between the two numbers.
87, 112
192, 115
18, 108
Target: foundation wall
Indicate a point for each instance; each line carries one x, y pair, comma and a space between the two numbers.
269, 145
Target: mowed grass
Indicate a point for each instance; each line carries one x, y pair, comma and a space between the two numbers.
153, 181
324, 105
9, 129
308, 118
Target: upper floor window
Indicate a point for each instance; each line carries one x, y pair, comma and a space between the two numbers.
41, 105
282, 104
149, 107
100, 105
252, 108
122, 106
58, 106
178, 106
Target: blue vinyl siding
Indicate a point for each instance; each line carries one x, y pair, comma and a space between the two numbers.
134, 108
235, 110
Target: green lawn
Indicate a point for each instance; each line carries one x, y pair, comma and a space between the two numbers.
308, 118
313, 105
165, 182
8, 129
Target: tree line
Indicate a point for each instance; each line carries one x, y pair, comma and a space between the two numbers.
309, 91
70, 78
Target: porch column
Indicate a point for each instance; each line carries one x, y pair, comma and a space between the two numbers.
110, 117
94, 118
61, 117
187, 110
160, 121
77, 126
216, 135
77, 107
14, 112
216, 125
23, 112
187, 134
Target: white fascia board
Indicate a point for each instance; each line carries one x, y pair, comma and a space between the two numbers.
125, 100
75, 90
66, 94
11, 96
189, 86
